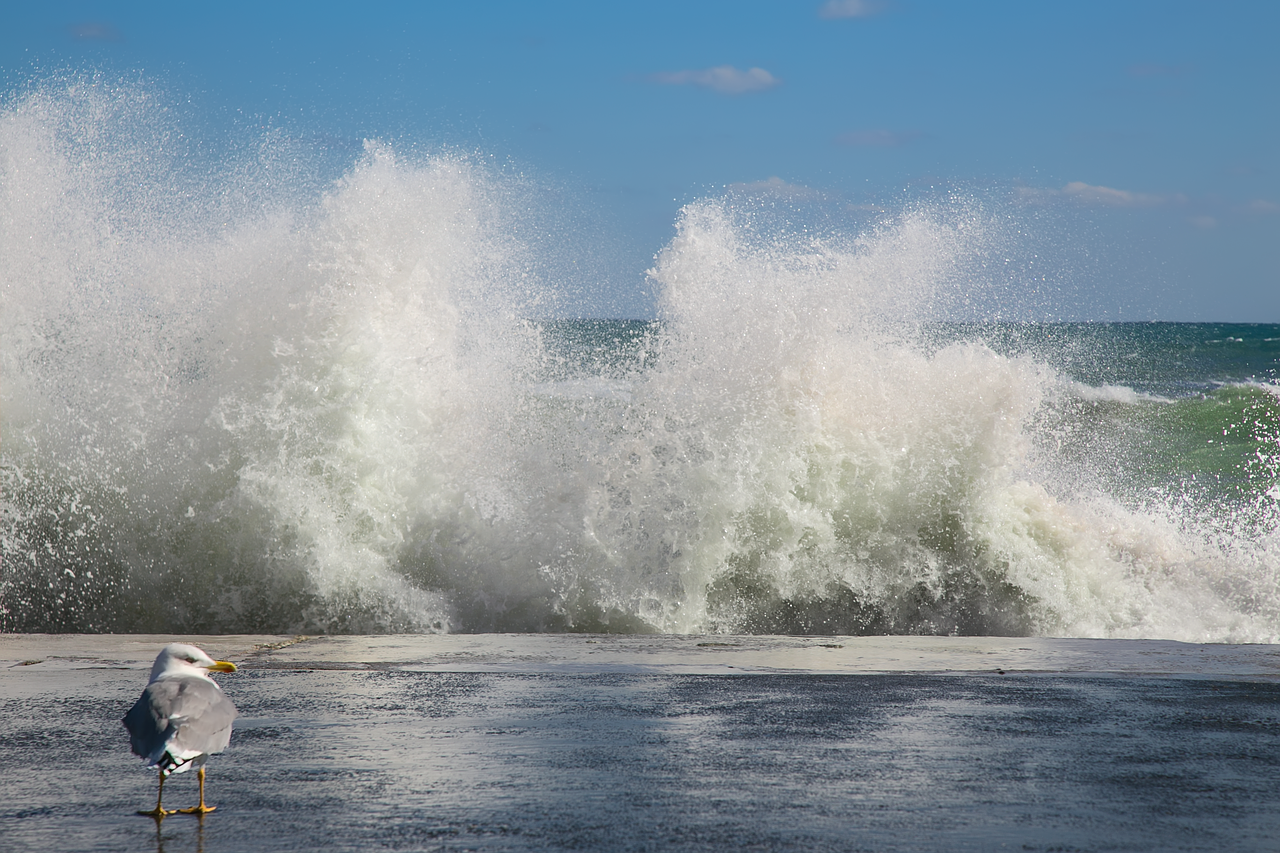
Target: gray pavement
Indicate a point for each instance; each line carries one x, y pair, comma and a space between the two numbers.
553, 742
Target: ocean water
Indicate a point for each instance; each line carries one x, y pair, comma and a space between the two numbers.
251, 391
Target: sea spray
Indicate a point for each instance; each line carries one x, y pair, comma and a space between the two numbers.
239, 397
868, 478
220, 420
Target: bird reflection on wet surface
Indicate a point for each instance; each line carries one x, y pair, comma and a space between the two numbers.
171, 839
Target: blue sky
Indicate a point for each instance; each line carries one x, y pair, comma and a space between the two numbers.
1151, 129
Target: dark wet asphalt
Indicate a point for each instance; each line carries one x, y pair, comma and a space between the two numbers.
390, 760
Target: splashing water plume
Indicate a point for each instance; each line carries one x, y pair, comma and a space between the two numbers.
235, 402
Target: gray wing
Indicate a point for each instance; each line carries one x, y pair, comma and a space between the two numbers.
186, 717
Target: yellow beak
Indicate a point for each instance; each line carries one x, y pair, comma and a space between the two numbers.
222, 666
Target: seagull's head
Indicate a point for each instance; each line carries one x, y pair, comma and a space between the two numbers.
184, 659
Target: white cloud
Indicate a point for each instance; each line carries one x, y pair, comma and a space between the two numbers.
1083, 193
774, 186
834, 9
1205, 212
1033, 195
878, 138
95, 31
724, 79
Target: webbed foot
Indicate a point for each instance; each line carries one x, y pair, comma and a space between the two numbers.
157, 813
201, 809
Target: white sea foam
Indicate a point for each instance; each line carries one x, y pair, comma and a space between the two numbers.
1114, 394
235, 403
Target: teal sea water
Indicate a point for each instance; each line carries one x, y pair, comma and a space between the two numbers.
242, 398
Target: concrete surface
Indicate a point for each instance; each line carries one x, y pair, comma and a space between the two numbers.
648, 743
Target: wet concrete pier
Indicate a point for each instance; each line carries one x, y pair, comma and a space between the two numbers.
648, 743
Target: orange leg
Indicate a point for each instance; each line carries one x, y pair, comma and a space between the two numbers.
201, 809
158, 812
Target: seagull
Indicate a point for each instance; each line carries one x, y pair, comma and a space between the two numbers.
181, 718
